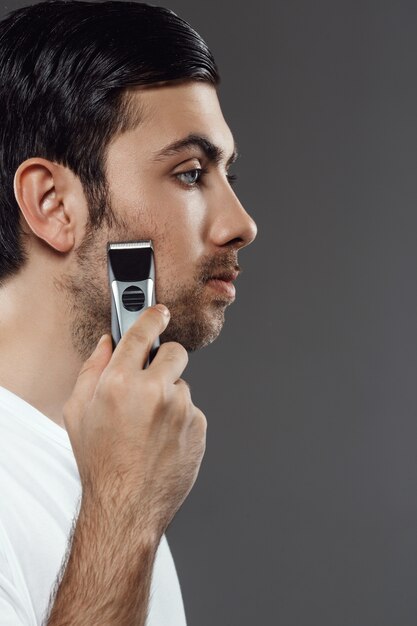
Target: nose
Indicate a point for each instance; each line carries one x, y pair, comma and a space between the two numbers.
233, 224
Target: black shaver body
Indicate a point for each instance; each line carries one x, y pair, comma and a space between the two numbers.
131, 269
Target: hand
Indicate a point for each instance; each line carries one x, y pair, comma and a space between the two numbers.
136, 435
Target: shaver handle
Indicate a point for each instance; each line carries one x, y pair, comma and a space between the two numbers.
122, 318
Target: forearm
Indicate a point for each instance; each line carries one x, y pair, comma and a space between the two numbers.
108, 574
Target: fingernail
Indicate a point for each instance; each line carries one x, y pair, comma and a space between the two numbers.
162, 308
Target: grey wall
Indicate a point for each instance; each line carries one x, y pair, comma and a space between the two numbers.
304, 512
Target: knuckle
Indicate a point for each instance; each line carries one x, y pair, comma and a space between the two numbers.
114, 382
156, 391
153, 387
184, 386
201, 420
140, 336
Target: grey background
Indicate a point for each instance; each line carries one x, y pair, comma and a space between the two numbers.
304, 512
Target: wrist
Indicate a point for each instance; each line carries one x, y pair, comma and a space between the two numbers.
116, 512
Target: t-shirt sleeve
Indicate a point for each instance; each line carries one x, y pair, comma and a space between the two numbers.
13, 601
12, 612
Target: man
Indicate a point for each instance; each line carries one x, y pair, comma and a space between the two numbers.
111, 130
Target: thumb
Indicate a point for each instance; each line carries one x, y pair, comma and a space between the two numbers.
88, 377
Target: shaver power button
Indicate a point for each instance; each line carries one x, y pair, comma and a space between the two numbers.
133, 298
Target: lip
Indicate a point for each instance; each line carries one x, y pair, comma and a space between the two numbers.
226, 276
223, 286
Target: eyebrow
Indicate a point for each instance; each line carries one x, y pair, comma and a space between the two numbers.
214, 153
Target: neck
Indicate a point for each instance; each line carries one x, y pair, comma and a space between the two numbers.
38, 362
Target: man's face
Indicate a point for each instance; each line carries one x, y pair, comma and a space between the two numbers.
195, 222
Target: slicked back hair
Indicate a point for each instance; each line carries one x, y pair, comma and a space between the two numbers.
66, 67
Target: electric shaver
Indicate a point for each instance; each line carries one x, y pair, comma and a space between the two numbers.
131, 269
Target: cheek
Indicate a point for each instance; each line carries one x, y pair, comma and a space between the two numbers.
178, 251
175, 221
180, 230
178, 246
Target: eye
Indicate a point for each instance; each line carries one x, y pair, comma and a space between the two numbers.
232, 178
192, 177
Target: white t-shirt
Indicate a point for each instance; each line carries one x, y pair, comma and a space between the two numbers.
39, 499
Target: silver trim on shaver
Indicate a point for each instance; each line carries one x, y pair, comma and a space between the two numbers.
131, 244
134, 262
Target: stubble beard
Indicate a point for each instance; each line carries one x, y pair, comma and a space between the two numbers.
196, 317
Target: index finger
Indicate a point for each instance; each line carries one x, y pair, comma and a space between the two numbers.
133, 349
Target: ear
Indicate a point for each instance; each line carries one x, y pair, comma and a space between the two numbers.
41, 190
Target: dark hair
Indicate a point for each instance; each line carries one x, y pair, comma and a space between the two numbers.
65, 71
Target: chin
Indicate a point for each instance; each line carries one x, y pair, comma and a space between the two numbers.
196, 332
193, 347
